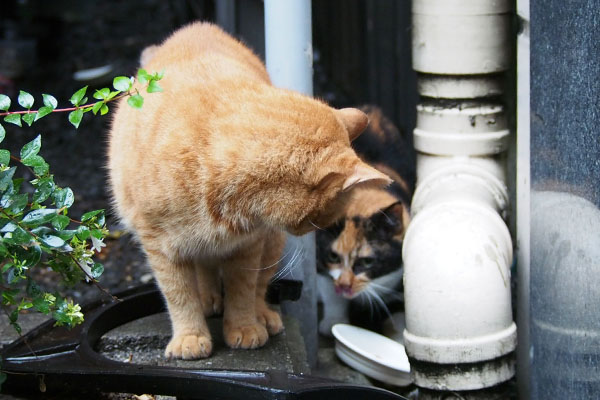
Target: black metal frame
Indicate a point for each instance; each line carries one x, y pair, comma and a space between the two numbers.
66, 360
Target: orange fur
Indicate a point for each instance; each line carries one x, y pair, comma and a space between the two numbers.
214, 169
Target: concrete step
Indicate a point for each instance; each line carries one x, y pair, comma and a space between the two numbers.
143, 342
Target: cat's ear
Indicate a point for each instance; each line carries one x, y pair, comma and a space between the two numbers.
330, 180
364, 174
354, 120
396, 216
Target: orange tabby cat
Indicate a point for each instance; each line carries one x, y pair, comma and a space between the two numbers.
211, 173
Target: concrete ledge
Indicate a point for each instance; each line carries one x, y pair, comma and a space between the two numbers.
143, 342
27, 322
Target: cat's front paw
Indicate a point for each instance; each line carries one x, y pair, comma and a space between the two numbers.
189, 347
269, 319
212, 303
245, 337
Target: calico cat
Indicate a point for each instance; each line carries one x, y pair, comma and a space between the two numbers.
212, 172
360, 257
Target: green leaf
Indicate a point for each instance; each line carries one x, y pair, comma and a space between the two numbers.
13, 276
13, 119
2, 133
42, 230
153, 87
16, 184
60, 222
19, 203
31, 149
97, 233
42, 112
16, 327
4, 102
14, 316
24, 305
83, 232
41, 305
143, 76
77, 97
41, 169
8, 296
112, 95
9, 227
20, 236
7, 199
65, 234
90, 214
101, 220
63, 198
67, 313
29, 118
75, 117
33, 289
4, 157
136, 101
49, 101
97, 270
52, 241
25, 99
97, 106
102, 94
33, 161
6, 178
43, 191
104, 109
38, 217
122, 83
29, 256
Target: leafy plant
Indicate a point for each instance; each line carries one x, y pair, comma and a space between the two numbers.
35, 226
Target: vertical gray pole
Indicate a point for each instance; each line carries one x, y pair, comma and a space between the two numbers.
225, 15
288, 42
523, 186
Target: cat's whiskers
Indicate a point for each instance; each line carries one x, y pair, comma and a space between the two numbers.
272, 265
380, 301
388, 291
289, 266
315, 225
366, 295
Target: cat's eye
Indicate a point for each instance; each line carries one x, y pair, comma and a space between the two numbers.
365, 262
333, 258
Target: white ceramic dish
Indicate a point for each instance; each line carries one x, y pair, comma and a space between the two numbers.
372, 354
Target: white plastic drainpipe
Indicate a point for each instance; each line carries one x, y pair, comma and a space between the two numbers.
289, 59
457, 251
